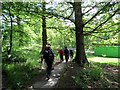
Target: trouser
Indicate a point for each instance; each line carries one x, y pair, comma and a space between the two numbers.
71, 56
66, 58
61, 57
49, 66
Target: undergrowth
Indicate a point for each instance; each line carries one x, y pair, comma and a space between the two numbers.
94, 76
18, 75
88, 74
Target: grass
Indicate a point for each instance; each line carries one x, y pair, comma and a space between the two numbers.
17, 75
95, 77
88, 75
101, 73
103, 59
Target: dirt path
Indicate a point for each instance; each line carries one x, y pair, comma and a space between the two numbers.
56, 73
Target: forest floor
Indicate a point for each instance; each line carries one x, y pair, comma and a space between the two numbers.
67, 77
64, 77
110, 81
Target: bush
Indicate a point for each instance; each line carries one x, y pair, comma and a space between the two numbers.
91, 73
19, 74
96, 73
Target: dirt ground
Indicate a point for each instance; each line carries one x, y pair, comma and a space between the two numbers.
66, 80
111, 79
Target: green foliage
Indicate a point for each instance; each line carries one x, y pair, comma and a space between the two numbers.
27, 38
112, 64
96, 75
19, 74
95, 72
91, 73
102, 61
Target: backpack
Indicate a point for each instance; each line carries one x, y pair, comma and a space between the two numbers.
48, 54
66, 52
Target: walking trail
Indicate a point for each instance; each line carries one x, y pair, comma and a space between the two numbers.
55, 75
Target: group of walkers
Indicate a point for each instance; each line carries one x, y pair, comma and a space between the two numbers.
48, 56
67, 53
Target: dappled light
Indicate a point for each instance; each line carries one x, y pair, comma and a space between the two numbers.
56, 73
103, 60
51, 83
59, 44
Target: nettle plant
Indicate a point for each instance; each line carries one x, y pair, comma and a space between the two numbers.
91, 73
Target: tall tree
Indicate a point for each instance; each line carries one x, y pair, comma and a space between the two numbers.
80, 50
11, 33
44, 33
100, 7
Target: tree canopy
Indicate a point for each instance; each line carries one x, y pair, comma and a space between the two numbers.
22, 24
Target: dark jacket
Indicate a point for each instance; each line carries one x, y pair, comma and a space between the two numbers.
66, 52
48, 54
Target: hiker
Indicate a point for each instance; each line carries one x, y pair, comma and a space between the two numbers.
71, 54
61, 53
48, 55
66, 53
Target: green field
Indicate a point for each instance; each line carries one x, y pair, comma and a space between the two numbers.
103, 60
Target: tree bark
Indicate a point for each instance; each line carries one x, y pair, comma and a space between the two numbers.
10, 42
80, 50
44, 31
20, 33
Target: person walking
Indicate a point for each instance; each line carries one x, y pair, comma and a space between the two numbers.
61, 53
48, 56
71, 54
66, 53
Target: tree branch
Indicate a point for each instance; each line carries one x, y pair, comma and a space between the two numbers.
71, 3
90, 9
66, 9
102, 28
61, 28
97, 5
71, 14
96, 14
99, 37
60, 16
102, 23
107, 31
5, 17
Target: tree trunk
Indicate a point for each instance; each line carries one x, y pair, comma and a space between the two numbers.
20, 33
0, 49
80, 50
44, 32
10, 46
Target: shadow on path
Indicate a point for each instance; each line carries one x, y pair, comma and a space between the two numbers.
55, 75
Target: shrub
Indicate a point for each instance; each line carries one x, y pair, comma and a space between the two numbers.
96, 73
19, 74
91, 73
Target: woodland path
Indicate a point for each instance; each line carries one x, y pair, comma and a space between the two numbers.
55, 75
59, 69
